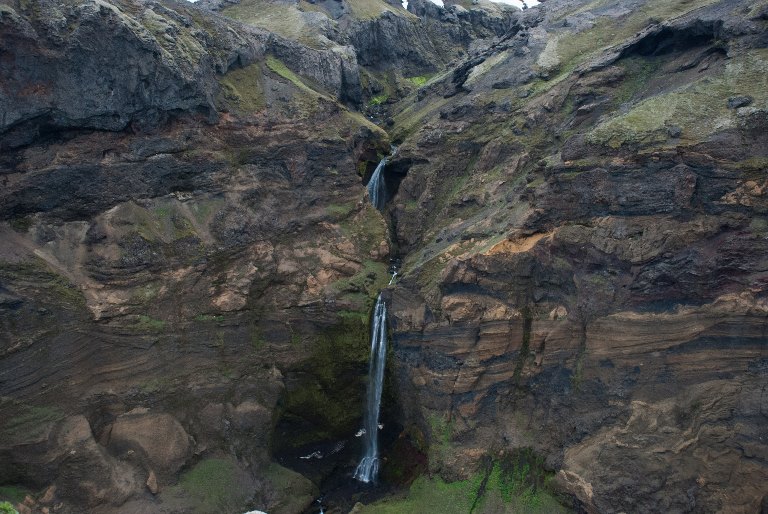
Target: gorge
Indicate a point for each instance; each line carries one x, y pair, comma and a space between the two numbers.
195, 256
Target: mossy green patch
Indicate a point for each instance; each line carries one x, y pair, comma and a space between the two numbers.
309, 99
281, 18
36, 274
13, 494
518, 483
25, 422
572, 49
294, 492
242, 89
411, 118
440, 437
183, 48
638, 71
330, 397
358, 120
209, 317
340, 210
367, 229
7, 508
146, 323
146, 293
485, 66
378, 99
277, 66
513, 483
699, 109
215, 485
155, 385
371, 279
420, 80
753, 167
163, 222
369, 9
431, 495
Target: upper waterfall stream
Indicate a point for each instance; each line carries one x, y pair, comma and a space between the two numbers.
377, 187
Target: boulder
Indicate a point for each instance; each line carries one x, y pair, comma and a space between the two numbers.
250, 416
152, 483
87, 474
158, 441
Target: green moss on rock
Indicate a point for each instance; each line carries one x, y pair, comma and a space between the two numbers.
699, 109
294, 493
513, 483
52, 286
216, 485
242, 89
13, 494
328, 399
575, 48
25, 422
144, 323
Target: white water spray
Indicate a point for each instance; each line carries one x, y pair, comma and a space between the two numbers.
368, 468
377, 189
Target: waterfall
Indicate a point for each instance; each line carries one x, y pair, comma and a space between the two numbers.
369, 465
377, 190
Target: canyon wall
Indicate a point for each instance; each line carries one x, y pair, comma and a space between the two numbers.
578, 200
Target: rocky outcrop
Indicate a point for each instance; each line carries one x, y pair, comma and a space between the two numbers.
158, 441
396, 49
438, 36
84, 472
160, 270
580, 277
63, 74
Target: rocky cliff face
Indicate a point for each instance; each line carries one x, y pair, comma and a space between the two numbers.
578, 199
585, 271
163, 276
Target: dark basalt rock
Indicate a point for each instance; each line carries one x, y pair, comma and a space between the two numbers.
735, 102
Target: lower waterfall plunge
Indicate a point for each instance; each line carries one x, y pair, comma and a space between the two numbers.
368, 468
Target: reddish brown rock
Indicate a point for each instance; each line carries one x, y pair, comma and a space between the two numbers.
87, 474
158, 440
152, 483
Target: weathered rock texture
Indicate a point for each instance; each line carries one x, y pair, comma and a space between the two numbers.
188, 259
585, 238
183, 233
